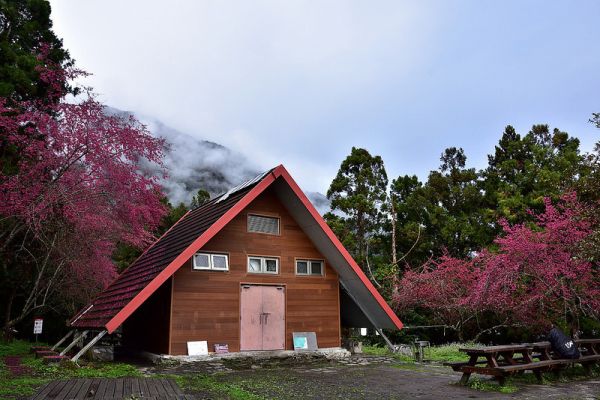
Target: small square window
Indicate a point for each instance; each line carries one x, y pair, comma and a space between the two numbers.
263, 265
201, 261
302, 267
316, 268
271, 265
254, 265
309, 267
217, 262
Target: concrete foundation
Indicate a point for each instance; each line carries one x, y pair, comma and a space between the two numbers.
332, 353
103, 353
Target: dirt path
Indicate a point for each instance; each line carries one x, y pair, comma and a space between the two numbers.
13, 364
368, 378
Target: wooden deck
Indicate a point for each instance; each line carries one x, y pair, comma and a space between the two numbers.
112, 389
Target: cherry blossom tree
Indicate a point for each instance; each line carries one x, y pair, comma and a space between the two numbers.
442, 288
70, 188
535, 275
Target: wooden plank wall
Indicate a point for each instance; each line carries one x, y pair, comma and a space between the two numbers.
205, 304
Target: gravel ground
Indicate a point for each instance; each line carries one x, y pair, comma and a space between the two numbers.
366, 378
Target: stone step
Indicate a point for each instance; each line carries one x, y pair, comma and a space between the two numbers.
54, 359
33, 349
44, 353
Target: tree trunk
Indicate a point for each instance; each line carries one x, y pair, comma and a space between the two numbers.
7, 326
393, 214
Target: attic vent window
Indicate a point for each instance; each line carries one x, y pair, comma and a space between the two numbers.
210, 261
262, 224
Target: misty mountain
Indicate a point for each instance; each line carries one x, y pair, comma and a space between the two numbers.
194, 164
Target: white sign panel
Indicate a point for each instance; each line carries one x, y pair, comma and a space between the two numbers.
305, 340
198, 348
37, 326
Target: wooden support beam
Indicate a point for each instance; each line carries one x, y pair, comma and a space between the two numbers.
88, 346
387, 340
70, 346
62, 340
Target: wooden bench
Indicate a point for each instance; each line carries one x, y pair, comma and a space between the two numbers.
500, 361
457, 365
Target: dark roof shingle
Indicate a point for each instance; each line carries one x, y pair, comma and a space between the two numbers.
154, 260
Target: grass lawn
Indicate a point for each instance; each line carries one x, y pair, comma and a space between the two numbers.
450, 353
247, 384
20, 387
16, 387
438, 354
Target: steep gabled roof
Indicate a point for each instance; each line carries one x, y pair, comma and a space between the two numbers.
157, 264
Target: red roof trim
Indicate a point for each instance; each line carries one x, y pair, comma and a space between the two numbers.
279, 171
165, 274
340, 247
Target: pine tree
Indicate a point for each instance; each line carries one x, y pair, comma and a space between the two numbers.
199, 199
357, 194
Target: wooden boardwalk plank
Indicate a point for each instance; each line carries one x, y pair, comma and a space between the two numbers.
45, 390
65, 389
119, 387
109, 389
175, 387
83, 390
93, 389
127, 387
143, 387
77, 383
152, 391
55, 390
135, 387
159, 387
101, 392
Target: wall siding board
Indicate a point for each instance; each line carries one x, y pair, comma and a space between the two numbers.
206, 304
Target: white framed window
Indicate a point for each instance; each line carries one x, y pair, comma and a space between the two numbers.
210, 261
310, 267
263, 265
263, 224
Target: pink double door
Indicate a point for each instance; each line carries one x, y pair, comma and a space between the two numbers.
262, 317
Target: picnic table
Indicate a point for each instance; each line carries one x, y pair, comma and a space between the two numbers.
493, 358
505, 360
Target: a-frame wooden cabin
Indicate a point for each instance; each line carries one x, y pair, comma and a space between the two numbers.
246, 269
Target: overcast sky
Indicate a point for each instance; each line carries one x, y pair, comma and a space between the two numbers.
301, 82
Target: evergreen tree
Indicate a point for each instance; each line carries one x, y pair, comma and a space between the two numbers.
25, 27
199, 199
454, 207
357, 194
523, 171
408, 205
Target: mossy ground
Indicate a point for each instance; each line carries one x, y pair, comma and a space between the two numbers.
16, 387
439, 354
298, 379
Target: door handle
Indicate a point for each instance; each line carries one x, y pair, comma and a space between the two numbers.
266, 317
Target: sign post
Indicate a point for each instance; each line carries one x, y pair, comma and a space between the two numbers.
37, 327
